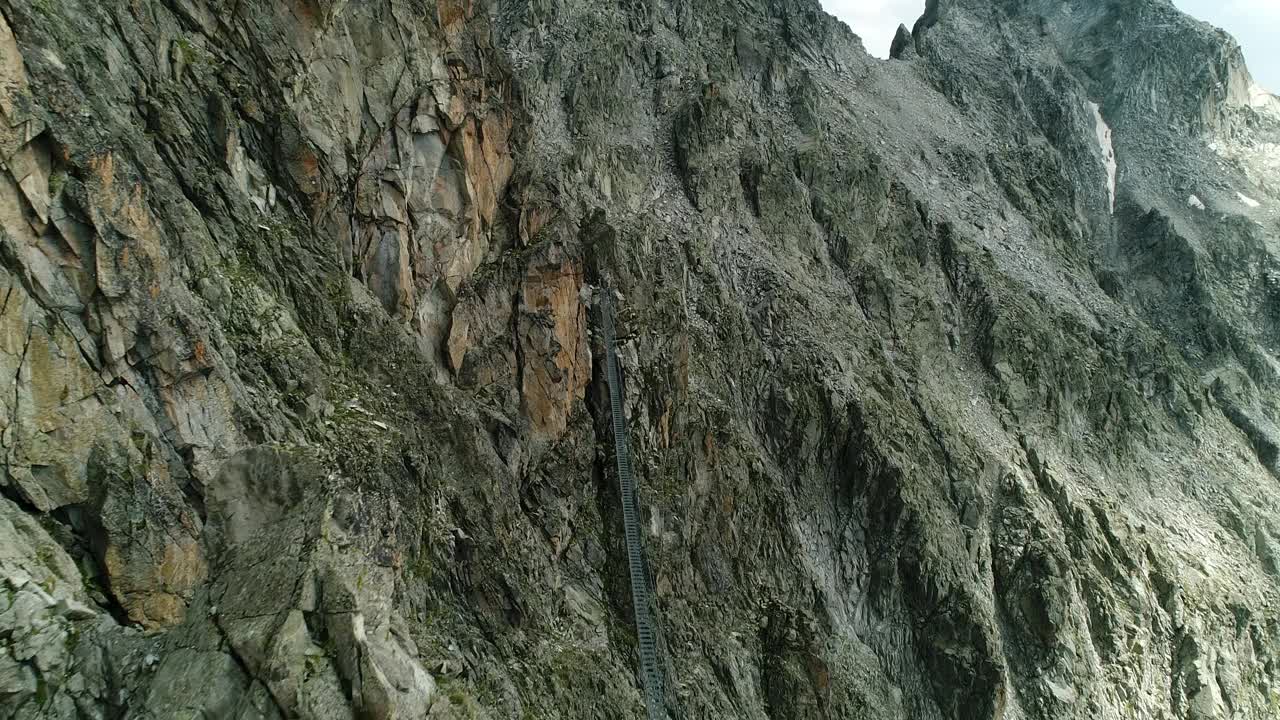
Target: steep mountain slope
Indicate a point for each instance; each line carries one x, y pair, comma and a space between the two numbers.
941, 407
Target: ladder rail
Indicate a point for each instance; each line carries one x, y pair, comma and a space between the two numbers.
641, 596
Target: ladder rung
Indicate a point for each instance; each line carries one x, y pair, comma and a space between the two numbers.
646, 637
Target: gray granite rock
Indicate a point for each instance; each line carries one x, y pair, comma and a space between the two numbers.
945, 401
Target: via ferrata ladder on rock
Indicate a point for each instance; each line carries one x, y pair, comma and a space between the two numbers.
641, 597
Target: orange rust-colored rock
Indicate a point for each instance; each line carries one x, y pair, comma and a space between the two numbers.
155, 594
556, 361
487, 159
452, 12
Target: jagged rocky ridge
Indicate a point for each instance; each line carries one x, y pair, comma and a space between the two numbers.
306, 417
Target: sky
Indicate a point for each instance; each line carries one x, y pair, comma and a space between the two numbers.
875, 21
1254, 23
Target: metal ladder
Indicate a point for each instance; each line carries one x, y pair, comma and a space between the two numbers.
641, 597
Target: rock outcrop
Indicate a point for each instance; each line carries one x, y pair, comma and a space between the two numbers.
942, 405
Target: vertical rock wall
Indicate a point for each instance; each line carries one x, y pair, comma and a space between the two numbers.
930, 419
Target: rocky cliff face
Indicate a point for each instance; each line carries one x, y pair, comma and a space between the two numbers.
942, 406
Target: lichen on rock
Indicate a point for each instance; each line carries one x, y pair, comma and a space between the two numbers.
939, 408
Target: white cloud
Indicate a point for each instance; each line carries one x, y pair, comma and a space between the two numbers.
1255, 8
875, 21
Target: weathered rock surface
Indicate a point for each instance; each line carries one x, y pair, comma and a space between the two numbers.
941, 407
